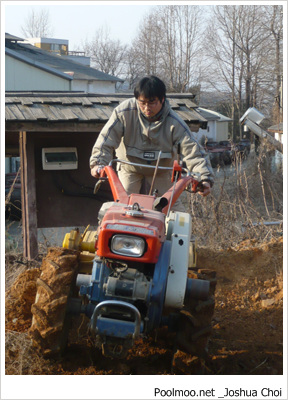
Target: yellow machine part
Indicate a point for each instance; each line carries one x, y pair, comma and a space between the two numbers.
85, 243
74, 240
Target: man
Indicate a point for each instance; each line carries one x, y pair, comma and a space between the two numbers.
138, 129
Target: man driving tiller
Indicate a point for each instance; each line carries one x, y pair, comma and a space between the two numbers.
138, 130
137, 272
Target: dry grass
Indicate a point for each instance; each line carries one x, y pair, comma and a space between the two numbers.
245, 196
21, 357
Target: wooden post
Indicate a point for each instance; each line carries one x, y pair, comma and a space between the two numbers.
28, 197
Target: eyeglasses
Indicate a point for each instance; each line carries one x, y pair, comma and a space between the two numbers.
151, 103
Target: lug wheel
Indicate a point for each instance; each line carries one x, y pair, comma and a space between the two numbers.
50, 322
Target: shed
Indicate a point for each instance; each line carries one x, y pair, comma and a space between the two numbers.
217, 127
37, 120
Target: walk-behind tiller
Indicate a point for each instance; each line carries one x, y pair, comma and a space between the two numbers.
136, 273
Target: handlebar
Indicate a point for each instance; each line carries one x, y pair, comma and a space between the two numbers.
188, 173
180, 183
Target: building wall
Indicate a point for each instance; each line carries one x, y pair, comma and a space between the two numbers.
83, 60
216, 131
65, 197
49, 44
222, 131
210, 132
22, 76
93, 86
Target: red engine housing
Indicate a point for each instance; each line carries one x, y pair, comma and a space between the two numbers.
150, 226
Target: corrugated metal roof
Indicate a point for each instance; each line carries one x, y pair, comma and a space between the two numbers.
211, 115
81, 107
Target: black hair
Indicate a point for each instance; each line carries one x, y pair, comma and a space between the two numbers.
150, 87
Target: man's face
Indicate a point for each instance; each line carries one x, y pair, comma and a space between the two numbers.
149, 107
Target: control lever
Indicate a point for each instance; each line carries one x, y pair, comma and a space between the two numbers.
155, 172
98, 184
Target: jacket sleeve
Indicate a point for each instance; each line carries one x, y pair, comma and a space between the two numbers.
108, 140
197, 160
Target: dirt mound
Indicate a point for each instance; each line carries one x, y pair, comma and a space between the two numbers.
247, 332
18, 301
249, 308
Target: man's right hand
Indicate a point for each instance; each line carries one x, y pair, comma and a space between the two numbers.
96, 170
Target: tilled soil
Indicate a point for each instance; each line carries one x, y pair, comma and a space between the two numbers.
247, 336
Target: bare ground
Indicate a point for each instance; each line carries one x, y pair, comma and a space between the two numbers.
247, 334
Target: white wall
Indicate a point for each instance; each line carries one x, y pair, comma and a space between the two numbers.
93, 86
222, 131
83, 60
22, 76
210, 132
216, 131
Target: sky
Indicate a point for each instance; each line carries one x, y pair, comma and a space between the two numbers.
78, 23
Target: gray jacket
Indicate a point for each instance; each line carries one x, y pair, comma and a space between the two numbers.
136, 139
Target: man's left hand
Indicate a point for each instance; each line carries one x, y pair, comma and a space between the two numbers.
204, 189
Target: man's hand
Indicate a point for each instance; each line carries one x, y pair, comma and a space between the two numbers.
204, 189
96, 170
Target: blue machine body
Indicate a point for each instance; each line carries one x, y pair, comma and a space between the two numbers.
103, 307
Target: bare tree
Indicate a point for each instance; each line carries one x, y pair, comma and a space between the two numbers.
106, 54
167, 45
144, 56
134, 66
240, 53
274, 23
224, 70
37, 24
180, 45
252, 41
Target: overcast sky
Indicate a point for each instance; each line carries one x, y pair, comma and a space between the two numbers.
77, 23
